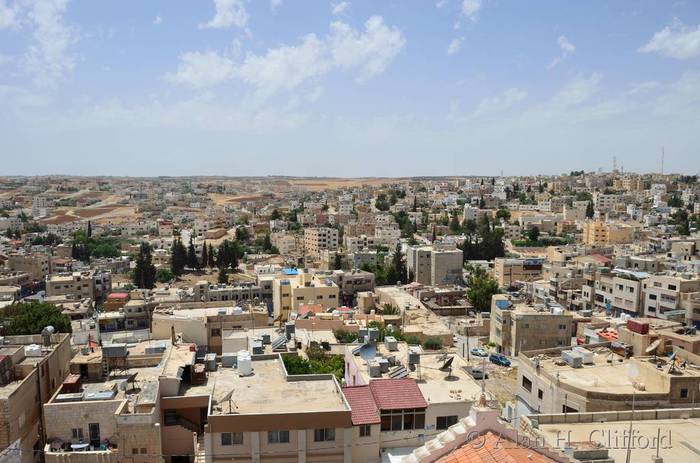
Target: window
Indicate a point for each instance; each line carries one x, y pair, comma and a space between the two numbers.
278, 437
324, 434
406, 419
672, 287
527, 384
444, 422
684, 393
231, 438
365, 430
216, 332
77, 433
170, 417
562, 327
652, 297
135, 451
540, 394
143, 450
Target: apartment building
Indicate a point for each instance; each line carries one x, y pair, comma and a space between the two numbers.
37, 265
240, 292
302, 288
673, 297
359, 243
435, 265
32, 368
93, 284
605, 202
285, 243
516, 327
593, 378
352, 282
446, 266
319, 239
508, 272
599, 233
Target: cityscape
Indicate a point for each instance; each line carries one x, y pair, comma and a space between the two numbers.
453, 231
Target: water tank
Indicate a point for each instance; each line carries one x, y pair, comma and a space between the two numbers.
375, 370
585, 353
222, 311
266, 339
245, 363
32, 350
383, 365
289, 329
257, 346
373, 334
413, 356
228, 360
573, 359
390, 343
237, 310
210, 361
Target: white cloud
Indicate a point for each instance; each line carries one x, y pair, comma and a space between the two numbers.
202, 69
440, 3
48, 58
370, 51
157, 20
228, 13
8, 16
470, 9
454, 46
579, 90
675, 41
567, 48
339, 8
274, 4
286, 67
499, 103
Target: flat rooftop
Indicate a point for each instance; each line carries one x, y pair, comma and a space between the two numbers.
437, 385
267, 390
618, 376
679, 437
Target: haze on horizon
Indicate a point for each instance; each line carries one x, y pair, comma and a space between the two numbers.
347, 88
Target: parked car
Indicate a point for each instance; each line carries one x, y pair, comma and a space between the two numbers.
499, 359
478, 373
478, 352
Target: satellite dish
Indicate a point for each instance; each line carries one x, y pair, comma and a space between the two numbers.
653, 346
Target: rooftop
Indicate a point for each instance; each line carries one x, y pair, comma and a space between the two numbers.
269, 390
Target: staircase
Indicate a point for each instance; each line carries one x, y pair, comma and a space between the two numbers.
199, 451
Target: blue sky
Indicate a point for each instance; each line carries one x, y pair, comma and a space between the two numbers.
347, 88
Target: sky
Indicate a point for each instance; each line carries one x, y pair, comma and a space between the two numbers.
348, 88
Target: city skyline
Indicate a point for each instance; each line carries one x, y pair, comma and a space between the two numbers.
347, 89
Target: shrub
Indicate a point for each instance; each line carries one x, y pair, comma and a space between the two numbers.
433, 343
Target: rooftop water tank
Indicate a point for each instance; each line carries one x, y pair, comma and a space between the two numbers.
32, 350
245, 363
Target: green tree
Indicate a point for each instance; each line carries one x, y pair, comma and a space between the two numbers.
590, 212
205, 255
338, 262
454, 224
145, 271
178, 258
211, 262
681, 220
89, 229
481, 288
192, 261
503, 213
223, 275
397, 271
533, 234
163, 275
32, 317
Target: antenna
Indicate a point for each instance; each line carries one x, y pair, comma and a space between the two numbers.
614, 164
663, 155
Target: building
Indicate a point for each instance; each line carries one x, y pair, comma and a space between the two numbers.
516, 327
508, 271
37, 265
435, 265
93, 284
319, 239
240, 292
303, 288
594, 378
352, 282
599, 233
673, 297
32, 368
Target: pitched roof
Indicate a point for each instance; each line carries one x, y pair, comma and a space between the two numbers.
393, 394
362, 406
490, 448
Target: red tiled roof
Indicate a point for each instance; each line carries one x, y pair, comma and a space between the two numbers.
492, 448
118, 296
393, 394
364, 410
600, 258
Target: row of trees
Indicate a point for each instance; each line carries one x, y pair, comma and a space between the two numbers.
483, 241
